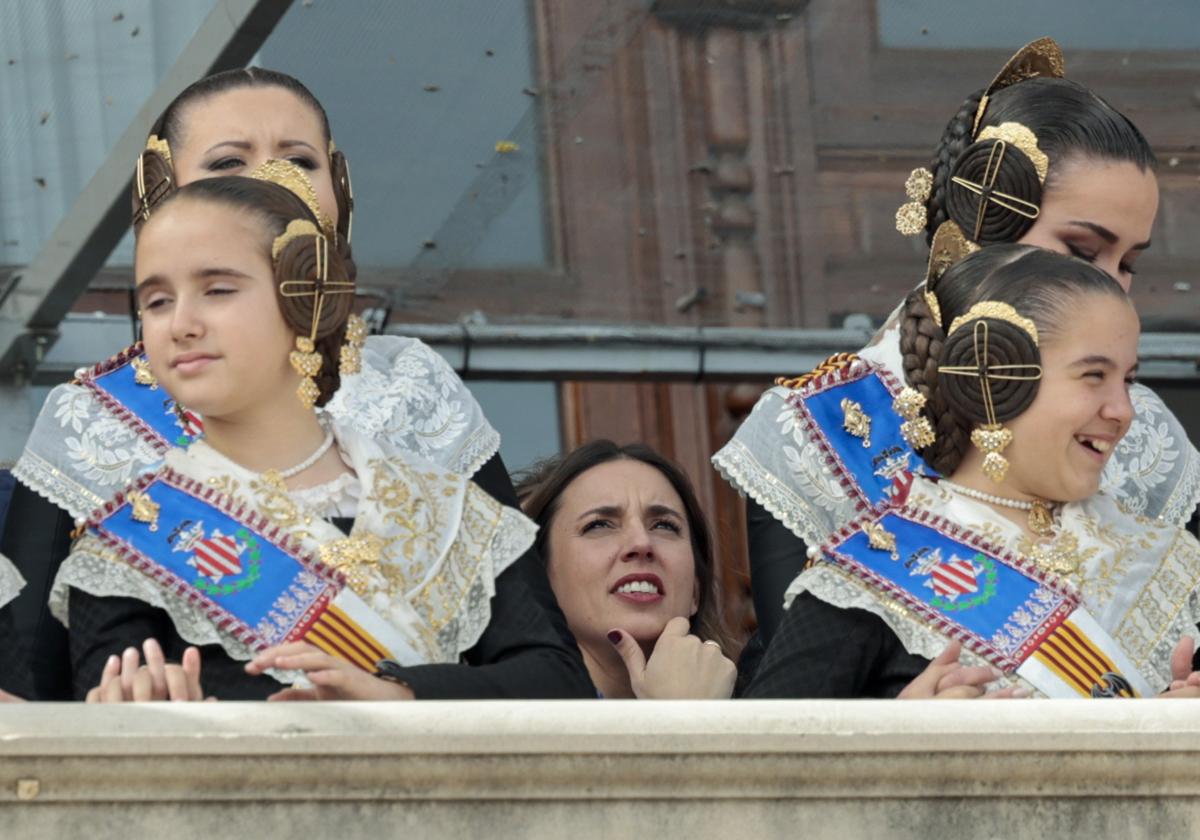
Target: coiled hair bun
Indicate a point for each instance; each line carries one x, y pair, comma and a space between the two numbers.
1001, 348
1014, 176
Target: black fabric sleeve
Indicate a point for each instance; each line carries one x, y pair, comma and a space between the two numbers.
527, 650
34, 660
101, 627
825, 652
777, 556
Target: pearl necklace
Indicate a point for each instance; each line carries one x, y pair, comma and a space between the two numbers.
311, 459
1041, 520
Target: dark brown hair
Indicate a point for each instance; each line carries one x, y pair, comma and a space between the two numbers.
1068, 119
540, 489
159, 175
274, 207
1041, 285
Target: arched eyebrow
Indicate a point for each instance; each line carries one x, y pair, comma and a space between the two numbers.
1107, 235
237, 144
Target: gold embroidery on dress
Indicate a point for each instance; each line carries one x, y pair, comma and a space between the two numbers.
1061, 556
357, 557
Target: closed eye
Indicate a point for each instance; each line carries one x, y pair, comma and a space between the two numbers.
220, 291
303, 162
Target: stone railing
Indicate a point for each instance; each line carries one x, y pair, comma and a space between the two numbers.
602, 769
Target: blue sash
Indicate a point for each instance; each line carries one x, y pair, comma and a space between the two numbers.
868, 472
239, 569
997, 604
143, 405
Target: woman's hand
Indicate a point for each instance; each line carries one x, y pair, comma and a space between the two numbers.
332, 678
1184, 681
681, 666
125, 680
947, 678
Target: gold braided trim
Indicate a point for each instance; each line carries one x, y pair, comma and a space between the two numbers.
998, 311
836, 362
1023, 138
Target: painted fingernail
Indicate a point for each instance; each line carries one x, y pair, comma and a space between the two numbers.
614, 636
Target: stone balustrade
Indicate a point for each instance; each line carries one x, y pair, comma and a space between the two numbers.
578, 770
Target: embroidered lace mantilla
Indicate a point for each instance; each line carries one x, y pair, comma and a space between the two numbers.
1154, 472
1139, 578
442, 543
406, 396
11, 581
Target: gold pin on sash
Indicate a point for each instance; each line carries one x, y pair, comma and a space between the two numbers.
855, 421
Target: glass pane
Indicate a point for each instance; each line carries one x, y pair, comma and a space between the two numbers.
526, 416
73, 74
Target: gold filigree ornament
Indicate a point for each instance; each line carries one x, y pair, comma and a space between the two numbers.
294, 179
916, 428
161, 147
1060, 557
1042, 57
143, 509
1000, 312
992, 439
912, 216
949, 246
881, 539
856, 421
350, 356
1040, 519
1021, 136
358, 558
142, 374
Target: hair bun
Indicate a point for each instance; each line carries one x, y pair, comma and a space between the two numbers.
1016, 178
1008, 348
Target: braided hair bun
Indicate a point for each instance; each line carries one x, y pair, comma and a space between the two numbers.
993, 167
1002, 350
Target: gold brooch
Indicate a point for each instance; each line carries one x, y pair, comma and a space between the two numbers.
143, 509
916, 428
855, 421
881, 539
142, 374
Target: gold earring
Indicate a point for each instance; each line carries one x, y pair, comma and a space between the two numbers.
350, 357
916, 428
912, 216
992, 439
306, 362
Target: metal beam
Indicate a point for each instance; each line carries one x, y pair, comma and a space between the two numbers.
31, 310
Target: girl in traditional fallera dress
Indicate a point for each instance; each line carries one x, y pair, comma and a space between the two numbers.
88, 442
285, 533
1033, 158
1018, 366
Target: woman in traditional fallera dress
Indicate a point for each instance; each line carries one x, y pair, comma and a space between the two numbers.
1064, 171
88, 443
1018, 367
284, 529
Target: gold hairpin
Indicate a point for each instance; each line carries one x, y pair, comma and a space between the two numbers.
294, 179
1042, 57
986, 190
1000, 312
1024, 139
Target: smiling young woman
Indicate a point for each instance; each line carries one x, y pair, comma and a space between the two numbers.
1051, 587
1033, 158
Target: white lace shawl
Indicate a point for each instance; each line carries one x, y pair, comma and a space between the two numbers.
1139, 577
11, 581
446, 541
1154, 471
407, 397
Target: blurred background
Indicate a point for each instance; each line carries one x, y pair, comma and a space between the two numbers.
618, 218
